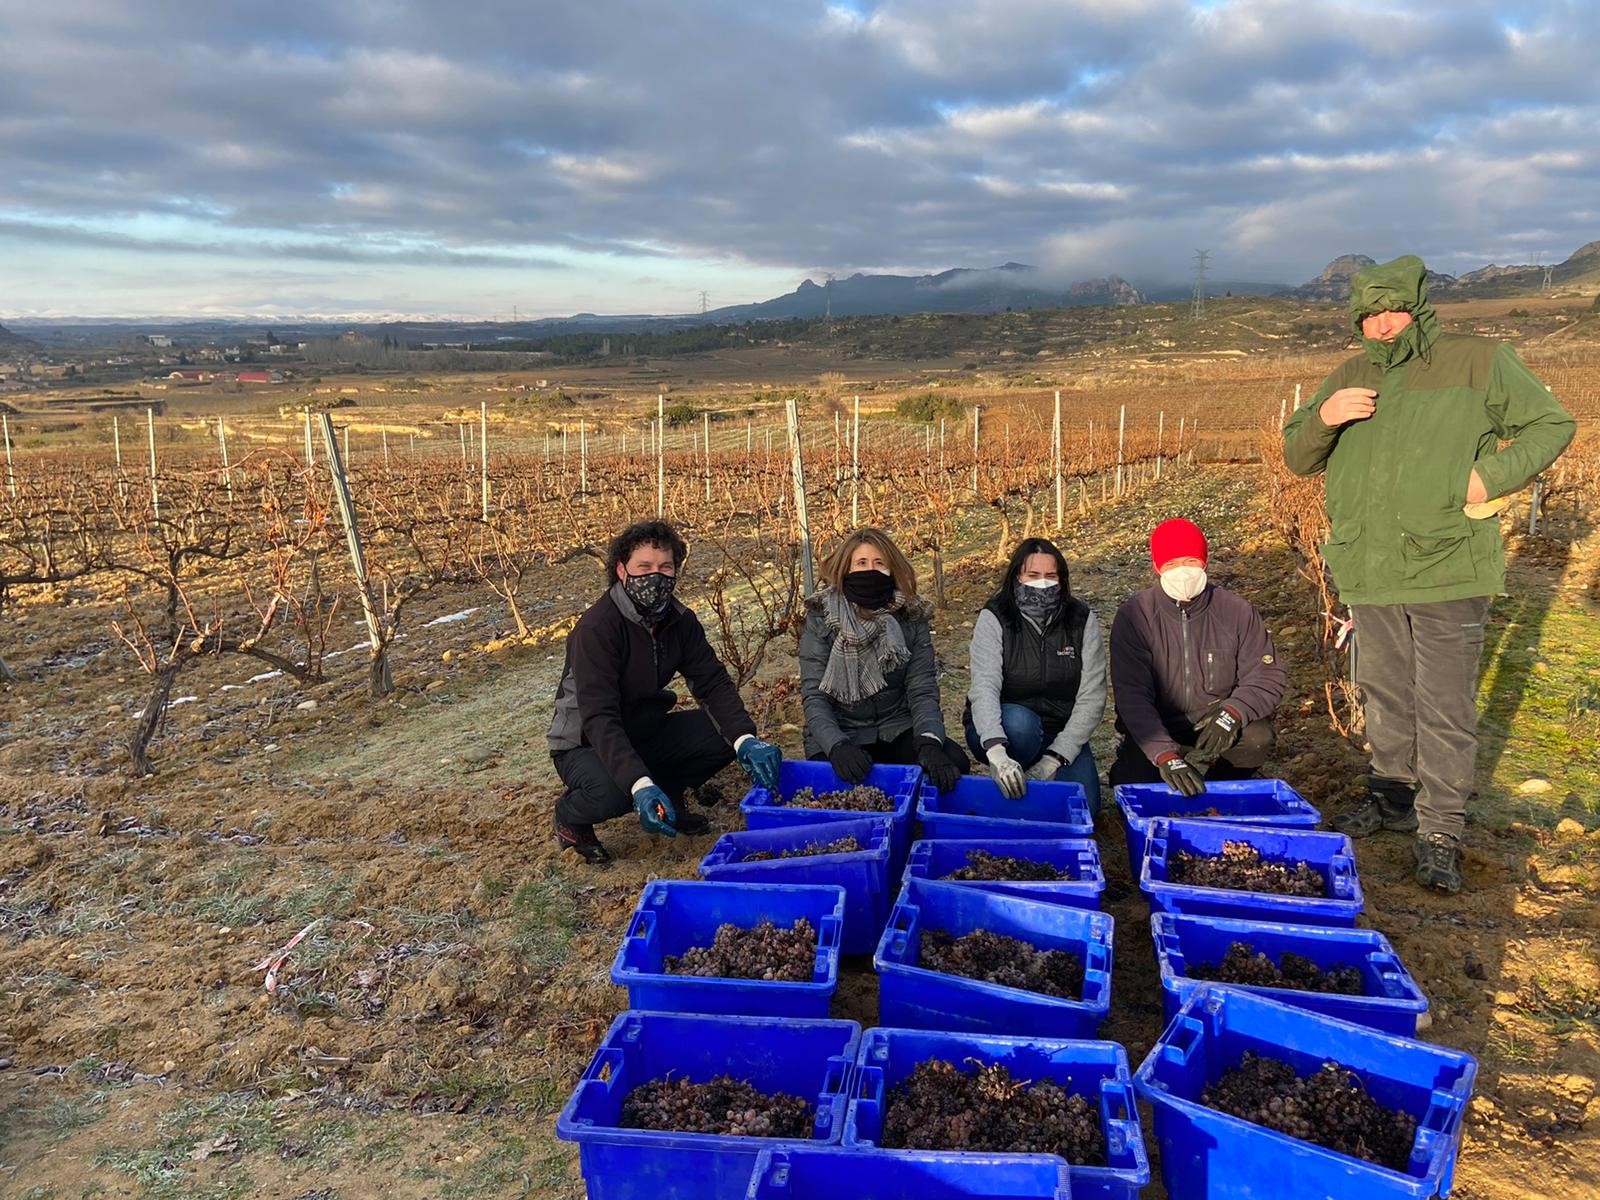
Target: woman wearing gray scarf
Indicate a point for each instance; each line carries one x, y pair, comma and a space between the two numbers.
867, 670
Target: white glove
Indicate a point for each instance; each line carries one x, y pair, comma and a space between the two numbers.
1007, 772
1045, 769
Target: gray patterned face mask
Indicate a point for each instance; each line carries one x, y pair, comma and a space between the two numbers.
650, 593
1038, 598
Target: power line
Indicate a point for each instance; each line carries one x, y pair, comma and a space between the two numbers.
705, 299
1197, 301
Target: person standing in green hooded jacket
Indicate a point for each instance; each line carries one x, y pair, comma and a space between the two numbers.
1410, 433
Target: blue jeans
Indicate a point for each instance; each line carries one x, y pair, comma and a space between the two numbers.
1025, 734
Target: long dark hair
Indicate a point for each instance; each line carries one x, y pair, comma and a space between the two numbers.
1004, 601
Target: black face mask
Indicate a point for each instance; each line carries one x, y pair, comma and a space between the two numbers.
651, 594
1037, 602
869, 589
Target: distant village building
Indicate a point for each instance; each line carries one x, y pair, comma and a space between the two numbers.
159, 339
260, 377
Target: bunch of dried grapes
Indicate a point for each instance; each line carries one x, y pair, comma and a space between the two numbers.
994, 868
764, 952
996, 958
941, 1107
1241, 868
861, 798
726, 1106
1198, 812
1245, 965
1330, 1108
844, 845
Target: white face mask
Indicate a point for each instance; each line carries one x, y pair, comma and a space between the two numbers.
1183, 583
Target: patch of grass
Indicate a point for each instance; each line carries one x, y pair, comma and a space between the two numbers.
491, 888
328, 896
462, 921
65, 1116
491, 1173
387, 1147
41, 1192
233, 909
544, 920
1508, 1047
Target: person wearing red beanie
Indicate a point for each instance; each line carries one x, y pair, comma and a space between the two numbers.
1194, 673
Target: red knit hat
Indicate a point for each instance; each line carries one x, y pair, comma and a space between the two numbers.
1177, 538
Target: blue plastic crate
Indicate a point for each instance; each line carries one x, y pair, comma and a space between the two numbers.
1207, 1155
764, 811
976, 808
913, 997
1330, 853
1390, 999
863, 874
675, 914
773, 1054
795, 1174
1079, 857
1237, 801
1097, 1071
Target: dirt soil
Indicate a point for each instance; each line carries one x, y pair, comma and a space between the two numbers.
454, 978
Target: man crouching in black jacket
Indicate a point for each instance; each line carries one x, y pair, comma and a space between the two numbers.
615, 741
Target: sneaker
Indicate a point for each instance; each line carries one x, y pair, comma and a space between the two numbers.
692, 824
1379, 812
1438, 862
581, 838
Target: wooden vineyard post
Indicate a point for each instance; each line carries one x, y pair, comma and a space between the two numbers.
227, 473
311, 459
116, 446
344, 434
855, 466
379, 680
1161, 430
705, 425
385, 449
11, 475
483, 454
155, 494
976, 410
1122, 425
798, 470
1533, 505
583, 459
1055, 441
661, 456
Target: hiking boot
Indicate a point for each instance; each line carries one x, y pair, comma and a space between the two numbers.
692, 824
1381, 811
1438, 862
581, 839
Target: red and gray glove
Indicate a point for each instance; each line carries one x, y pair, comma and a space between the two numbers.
1179, 774
1217, 732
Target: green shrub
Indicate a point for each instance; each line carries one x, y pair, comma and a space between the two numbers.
929, 406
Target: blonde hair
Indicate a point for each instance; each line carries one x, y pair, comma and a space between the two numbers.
837, 564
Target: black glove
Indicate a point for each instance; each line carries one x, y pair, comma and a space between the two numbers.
1217, 732
1179, 775
936, 764
849, 761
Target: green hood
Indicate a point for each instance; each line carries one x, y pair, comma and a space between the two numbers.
1398, 286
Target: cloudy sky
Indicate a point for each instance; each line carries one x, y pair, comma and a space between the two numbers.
480, 157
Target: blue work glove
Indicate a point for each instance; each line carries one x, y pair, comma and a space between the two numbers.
760, 761
655, 811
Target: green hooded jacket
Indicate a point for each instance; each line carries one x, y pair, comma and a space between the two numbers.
1397, 481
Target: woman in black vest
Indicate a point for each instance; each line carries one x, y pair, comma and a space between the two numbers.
1038, 677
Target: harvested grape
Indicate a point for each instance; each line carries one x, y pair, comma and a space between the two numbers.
1331, 1108
994, 868
764, 952
996, 958
1245, 965
939, 1106
1241, 868
725, 1106
861, 798
844, 845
